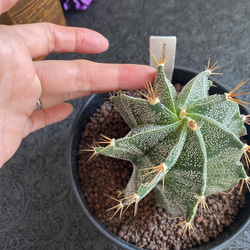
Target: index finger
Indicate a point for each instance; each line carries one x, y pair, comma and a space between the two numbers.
44, 38
6, 5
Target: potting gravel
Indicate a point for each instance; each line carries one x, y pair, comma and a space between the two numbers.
152, 227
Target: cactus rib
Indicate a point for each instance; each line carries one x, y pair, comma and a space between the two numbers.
183, 147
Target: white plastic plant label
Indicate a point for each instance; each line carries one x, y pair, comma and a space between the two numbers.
159, 47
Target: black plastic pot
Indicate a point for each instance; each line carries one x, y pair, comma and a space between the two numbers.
182, 76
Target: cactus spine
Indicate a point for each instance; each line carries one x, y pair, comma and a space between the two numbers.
184, 147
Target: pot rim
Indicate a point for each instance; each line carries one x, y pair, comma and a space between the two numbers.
80, 197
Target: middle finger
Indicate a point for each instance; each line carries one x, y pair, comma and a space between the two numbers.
66, 77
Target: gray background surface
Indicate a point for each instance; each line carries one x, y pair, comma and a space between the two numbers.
38, 209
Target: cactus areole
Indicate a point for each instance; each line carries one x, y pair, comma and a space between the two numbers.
183, 147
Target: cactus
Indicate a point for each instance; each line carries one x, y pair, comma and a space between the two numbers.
183, 147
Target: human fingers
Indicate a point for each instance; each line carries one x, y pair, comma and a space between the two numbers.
48, 100
44, 38
65, 77
47, 116
6, 5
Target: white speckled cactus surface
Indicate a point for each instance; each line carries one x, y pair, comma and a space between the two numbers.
184, 147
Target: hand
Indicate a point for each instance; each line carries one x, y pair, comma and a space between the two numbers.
23, 81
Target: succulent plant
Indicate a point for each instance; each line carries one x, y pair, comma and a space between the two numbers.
182, 146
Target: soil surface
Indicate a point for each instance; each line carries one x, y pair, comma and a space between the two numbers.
152, 227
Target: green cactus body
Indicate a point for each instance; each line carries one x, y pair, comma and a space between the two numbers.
184, 147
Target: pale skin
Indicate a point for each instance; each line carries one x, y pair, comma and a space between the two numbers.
23, 81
